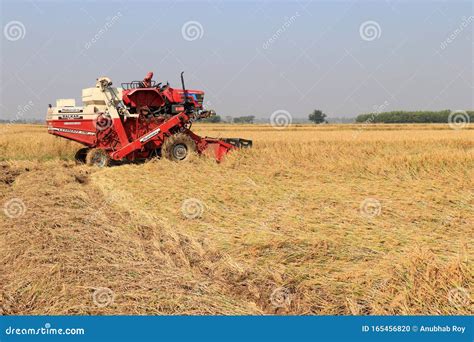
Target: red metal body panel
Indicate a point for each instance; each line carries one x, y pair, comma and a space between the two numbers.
154, 137
82, 131
150, 97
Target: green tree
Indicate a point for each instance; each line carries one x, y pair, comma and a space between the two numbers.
412, 117
212, 119
244, 119
317, 116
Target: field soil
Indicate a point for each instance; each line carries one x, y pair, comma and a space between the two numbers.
313, 220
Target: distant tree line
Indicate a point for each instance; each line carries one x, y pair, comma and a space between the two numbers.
317, 117
409, 117
244, 119
212, 119
229, 119
22, 121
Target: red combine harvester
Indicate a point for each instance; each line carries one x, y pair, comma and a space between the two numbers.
138, 121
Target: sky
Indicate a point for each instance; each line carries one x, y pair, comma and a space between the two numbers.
249, 57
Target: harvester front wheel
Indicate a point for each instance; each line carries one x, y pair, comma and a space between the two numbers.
80, 156
178, 147
97, 157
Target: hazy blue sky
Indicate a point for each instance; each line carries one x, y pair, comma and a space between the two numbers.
413, 54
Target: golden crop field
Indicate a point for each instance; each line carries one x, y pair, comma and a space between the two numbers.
332, 219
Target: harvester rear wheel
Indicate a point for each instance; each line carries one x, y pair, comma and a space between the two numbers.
97, 157
80, 156
178, 147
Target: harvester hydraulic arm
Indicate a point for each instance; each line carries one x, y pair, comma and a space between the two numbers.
113, 101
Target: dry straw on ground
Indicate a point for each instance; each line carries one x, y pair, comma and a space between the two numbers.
326, 220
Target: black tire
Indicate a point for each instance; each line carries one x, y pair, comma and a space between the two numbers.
178, 147
80, 156
97, 157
